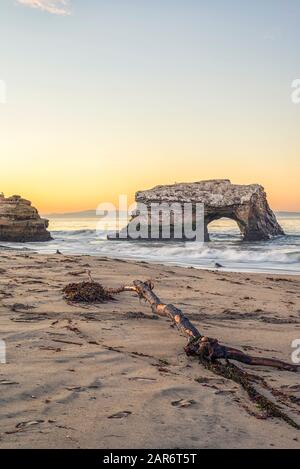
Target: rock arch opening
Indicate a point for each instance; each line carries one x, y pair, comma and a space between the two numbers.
224, 227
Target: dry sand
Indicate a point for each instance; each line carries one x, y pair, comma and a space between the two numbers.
113, 376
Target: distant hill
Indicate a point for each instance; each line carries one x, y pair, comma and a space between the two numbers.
83, 214
288, 214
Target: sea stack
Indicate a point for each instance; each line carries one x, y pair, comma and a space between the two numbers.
246, 204
20, 222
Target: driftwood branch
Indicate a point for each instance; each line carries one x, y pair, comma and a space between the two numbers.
210, 352
198, 344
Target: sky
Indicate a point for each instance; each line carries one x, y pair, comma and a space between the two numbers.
107, 97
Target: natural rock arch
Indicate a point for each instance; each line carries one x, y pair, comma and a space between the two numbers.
246, 204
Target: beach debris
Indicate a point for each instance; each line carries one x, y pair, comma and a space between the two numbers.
29, 424
7, 382
86, 292
74, 329
183, 403
54, 349
162, 369
120, 415
141, 378
22, 425
75, 388
77, 273
16, 307
210, 353
66, 342
58, 251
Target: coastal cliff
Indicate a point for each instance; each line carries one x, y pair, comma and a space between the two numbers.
20, 222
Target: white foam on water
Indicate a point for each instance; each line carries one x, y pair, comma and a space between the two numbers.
282, 254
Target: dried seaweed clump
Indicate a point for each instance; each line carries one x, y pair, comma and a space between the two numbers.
86, 292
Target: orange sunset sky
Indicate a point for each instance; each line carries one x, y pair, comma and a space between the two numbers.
109, 99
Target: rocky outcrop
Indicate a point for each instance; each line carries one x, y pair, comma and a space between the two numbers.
246, 204
20, 222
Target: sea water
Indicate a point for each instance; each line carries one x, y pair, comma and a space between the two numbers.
278, 255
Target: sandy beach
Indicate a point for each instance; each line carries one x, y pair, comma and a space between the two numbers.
114, 376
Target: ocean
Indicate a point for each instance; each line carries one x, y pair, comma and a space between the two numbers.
88, 236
